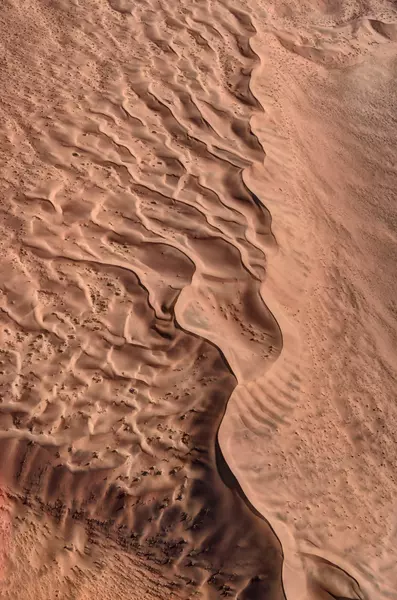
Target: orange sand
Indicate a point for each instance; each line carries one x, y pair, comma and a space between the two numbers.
197, 300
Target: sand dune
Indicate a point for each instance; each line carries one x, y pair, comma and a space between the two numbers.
126, 134
325, 477
197, 203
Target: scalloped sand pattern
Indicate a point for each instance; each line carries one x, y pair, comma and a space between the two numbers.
197, 300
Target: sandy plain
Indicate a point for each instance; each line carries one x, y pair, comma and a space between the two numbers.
198, 300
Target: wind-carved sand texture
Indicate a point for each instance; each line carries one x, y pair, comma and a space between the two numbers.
146, 290
313, 440
125, 136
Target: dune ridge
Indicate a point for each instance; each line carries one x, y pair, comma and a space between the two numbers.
143, 294
324, 479
130, 238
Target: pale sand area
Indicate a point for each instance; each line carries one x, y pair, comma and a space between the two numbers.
326, 476
145, 282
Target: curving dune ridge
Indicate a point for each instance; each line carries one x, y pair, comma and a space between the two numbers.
323, 472
132, 249
142, 287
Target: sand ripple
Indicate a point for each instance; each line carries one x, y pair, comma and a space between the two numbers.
133, 253
142, 287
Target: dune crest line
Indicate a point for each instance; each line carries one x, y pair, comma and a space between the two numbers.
195, 400
129, 238
325, 478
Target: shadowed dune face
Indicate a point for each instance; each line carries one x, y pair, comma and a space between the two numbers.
133, 273
325, 477
126, 133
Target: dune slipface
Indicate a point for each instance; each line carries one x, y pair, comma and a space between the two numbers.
132, 253
313, 441
149, 300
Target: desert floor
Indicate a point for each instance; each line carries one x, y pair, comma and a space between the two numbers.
198, 300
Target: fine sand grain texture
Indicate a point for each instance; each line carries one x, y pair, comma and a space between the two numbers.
197, 300
126, 131
313, 441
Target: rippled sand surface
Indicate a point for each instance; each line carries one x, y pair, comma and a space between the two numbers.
197, 300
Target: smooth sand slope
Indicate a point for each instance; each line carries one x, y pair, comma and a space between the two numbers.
145, 288
325, 476
125, 135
